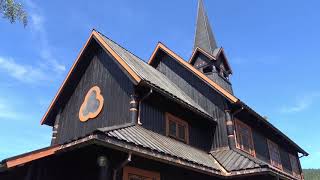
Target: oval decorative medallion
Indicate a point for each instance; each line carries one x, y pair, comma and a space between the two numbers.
92, 104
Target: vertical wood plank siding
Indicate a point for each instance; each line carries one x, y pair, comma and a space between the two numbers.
116, 89
285, 160
153, 118
262, 151
200, 92
261, 146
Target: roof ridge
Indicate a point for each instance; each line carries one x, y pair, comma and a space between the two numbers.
120, 46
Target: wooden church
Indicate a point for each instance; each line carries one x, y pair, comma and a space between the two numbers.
116, 117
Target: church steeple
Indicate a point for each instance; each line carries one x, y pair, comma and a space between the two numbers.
207, 57
204, 37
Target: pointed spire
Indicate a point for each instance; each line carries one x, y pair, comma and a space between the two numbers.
204, 38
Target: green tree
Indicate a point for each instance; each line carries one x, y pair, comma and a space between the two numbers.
13, 11
311, 174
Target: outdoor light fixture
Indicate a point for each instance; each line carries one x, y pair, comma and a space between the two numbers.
102, 161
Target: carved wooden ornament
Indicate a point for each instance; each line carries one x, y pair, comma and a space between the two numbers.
92, 104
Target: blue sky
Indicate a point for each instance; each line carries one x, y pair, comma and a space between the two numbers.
272, 47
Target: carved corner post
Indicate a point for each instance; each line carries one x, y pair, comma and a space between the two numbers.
134, 106
55, 129
230, 129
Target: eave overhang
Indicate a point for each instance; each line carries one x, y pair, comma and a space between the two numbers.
101, 139
211, 57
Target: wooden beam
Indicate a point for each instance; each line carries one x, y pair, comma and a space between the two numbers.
31, 157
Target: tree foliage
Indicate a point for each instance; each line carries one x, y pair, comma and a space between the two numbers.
311, 174
13, 11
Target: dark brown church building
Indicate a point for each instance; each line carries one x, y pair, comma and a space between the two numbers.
116, 117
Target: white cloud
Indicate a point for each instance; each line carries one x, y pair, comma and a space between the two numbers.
7, 113
24, 73
37, 27
303, 103
47, 67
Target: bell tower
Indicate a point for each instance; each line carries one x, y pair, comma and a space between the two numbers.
207, 57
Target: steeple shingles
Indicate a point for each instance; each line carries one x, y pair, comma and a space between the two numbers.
204, 37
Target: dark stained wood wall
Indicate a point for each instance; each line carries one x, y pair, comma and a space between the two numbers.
200, 92
261, 147
153, 118
116, 89
286, 165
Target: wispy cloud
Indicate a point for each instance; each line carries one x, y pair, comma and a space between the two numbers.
302, 103
7, 113
38, 29
35, 71
24, 73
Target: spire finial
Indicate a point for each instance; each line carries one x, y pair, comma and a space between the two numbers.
204, 38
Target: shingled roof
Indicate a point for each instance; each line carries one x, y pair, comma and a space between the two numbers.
152, 76
233, 160
140, 136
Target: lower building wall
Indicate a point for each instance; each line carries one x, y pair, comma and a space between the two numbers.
82, 164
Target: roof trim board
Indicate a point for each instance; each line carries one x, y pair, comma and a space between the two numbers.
94, 35
162, 47
100, 39
64, 81
211, 57
10, 163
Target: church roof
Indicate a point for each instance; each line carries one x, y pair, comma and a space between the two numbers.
154, 77
143, 137
140, 72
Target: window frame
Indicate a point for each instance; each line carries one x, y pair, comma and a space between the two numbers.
139, 172
294, 173
169, 117
271, 145
239, 124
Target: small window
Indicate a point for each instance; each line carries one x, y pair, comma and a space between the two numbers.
244, 138
208, 69
177, 128
274, 153
130, 173
295, 166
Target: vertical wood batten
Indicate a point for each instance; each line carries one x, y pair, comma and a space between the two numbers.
116, 88
200, 92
